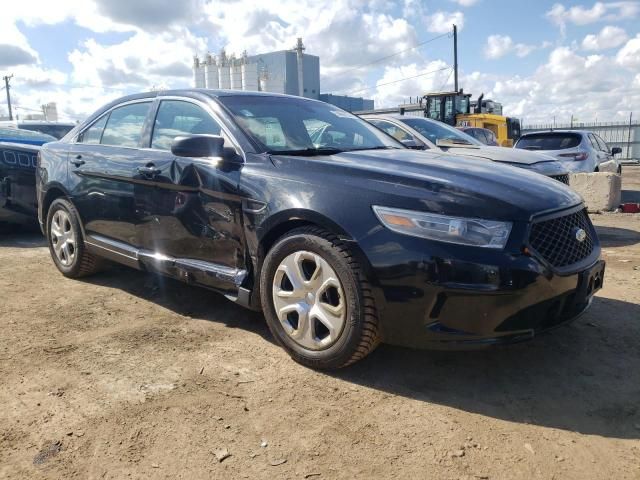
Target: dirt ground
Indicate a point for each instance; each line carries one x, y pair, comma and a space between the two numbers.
126, 376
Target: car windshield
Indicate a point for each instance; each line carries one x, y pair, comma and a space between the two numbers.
549, 141
296, 126
435, 131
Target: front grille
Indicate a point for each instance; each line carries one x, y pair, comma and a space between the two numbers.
555, 239
562, 178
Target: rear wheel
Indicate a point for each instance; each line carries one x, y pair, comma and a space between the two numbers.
66, 244
317, 302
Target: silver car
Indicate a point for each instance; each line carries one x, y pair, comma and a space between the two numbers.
578, 150
425, 134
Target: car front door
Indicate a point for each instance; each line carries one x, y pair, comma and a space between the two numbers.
102, 166
188, 208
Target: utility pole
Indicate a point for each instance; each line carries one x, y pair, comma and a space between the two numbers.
6, 86
455, 57
629, 136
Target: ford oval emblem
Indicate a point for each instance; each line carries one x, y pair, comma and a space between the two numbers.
581, 235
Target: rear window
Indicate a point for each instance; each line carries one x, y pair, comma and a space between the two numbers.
549, 141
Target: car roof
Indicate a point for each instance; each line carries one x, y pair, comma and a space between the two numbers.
207, 91
395, 116
19, 133
538, 132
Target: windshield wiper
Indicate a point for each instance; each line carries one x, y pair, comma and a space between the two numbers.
307, 152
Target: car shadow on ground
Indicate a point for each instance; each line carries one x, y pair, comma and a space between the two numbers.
20, 236
630, 196
617, 237
181, 298
581, 377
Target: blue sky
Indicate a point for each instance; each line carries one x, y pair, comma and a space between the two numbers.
540, 59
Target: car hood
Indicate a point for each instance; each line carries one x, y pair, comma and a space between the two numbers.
435, 182
504, 154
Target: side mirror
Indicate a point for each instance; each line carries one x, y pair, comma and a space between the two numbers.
198, 146
411, 144
616, 150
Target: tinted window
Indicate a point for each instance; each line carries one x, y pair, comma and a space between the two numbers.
286, 124
393, 130
177, 118
549, 141
93, 134
124, 127
435, 131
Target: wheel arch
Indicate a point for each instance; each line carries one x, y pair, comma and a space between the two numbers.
54, 192
286, 221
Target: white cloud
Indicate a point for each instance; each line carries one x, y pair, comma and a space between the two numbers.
442, 22
582, 15
465, 3
436, 76
144, 60
608, 37
498, 46
629, 55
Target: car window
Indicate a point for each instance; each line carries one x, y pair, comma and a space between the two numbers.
124, 126
284, 124
549, 141
393, 130
602, 144
175, 118
93, 134
435, 131
593, 141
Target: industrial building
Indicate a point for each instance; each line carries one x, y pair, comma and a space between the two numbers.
292, 72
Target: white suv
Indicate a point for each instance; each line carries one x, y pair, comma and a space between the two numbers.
579, 150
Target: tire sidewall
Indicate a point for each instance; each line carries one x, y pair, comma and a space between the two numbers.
74, 268
340, 352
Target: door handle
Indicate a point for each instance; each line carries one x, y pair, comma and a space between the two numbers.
150, 170
78, 161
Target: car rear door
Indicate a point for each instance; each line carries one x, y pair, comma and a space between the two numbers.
188, 209
102, 166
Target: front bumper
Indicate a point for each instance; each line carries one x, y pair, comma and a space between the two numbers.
478, 299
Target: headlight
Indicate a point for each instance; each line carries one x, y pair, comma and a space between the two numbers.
464, 231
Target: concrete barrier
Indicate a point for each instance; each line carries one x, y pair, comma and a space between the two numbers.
601, 191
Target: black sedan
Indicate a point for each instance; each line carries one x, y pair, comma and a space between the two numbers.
343, 238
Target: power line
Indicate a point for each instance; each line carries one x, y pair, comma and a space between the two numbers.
446, 80
399, 80
381, 59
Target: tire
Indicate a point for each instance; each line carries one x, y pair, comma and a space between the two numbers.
75, 261
343, 292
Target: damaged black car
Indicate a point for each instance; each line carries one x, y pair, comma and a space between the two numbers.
343, 237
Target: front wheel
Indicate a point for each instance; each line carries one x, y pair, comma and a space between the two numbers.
66, 244
317, 301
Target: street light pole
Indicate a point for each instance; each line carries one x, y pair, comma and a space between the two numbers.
6, 85
455, 57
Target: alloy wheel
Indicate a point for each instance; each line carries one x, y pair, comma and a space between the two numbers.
63, 238
309, 300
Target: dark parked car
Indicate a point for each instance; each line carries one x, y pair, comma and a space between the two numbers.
343, 242
18, 203
483, 135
